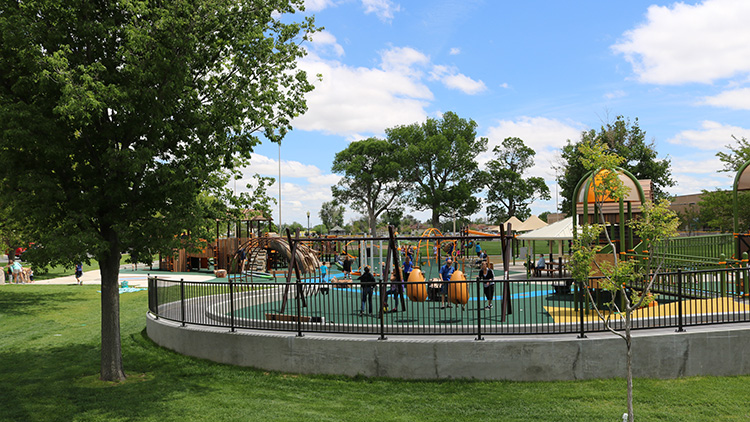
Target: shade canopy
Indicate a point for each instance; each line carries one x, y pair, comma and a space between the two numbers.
514, 223
561, 230
531, 223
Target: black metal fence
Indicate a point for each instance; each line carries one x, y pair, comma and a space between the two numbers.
538, 306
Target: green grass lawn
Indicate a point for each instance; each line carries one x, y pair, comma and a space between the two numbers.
49, 364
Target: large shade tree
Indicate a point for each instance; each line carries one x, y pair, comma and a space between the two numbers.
440, 161
509, 192
627, 140
331, 214
115, 117
371, 180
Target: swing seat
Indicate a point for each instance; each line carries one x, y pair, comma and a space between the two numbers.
416, 290
458, 292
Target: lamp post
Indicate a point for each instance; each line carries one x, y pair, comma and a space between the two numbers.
308, 223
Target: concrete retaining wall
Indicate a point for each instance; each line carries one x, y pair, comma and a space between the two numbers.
714, 350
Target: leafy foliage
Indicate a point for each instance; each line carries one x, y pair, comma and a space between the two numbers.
331, 214
440, 164
372, 181
625, 139
509, 193
115, 117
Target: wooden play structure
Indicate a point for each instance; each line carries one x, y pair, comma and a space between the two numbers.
217, 255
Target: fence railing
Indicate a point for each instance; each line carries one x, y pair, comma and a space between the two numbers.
538, 306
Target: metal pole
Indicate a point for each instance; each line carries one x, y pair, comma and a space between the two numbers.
479, 310
182, 300
231, 302
299, 309
679, 301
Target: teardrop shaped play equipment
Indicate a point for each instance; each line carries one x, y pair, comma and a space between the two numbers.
458, 293
416, 290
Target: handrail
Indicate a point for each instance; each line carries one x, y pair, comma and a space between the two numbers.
540, 306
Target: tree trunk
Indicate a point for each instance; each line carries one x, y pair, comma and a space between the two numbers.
435, 219
629, 360
109, 266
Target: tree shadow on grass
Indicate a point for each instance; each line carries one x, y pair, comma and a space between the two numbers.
63, 383
17, 301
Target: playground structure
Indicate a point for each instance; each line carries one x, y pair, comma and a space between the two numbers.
698, 289
220, 253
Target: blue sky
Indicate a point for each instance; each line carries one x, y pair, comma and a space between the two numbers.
542, 71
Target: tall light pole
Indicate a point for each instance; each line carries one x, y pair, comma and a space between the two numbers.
308, 223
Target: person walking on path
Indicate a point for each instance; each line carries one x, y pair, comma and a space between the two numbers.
79, 273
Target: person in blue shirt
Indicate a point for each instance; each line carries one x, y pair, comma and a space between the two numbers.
446, 271
323, 278
408, 266
478, 249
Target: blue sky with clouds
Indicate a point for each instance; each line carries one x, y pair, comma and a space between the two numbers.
542, 71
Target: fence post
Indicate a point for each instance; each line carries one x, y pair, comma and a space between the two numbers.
723, 277
299, 288
745, 289
182, 300
479, 310
231, 303
679, 301
579, 297
153, 297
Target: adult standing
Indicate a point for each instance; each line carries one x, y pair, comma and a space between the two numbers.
478, 249
446, 271
16, 268
347, 268
488, 277
367, 284
397, 290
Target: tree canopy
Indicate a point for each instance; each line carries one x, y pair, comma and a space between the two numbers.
372, 181
509, 193
626, 139
331, 214
440, 162
116, 116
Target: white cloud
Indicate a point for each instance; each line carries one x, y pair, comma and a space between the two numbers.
383, 9
353, 100
450, 77
690, 43
504, 85
404, 60
545, 136
712, 136
304, 187
464, 83
737, 99
615, 94
324, 42
318, 5
455, 51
